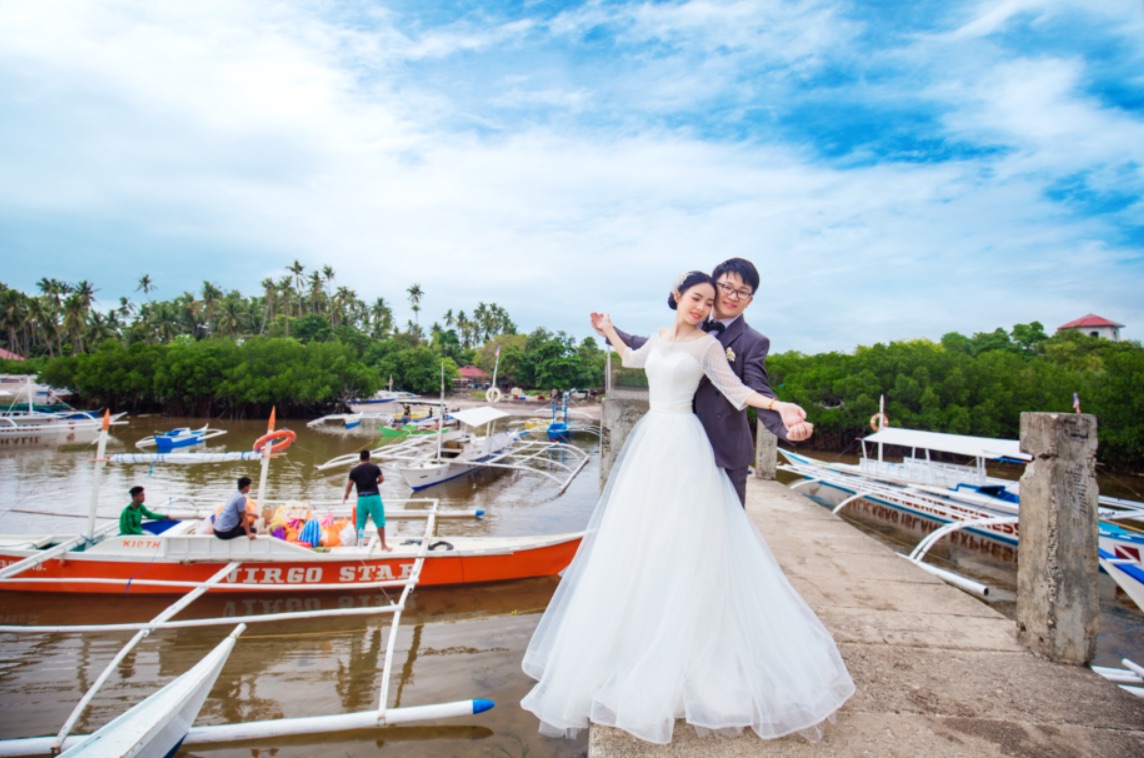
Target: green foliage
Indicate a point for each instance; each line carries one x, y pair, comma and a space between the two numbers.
977, 386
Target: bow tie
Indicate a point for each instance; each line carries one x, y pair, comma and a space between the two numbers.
713, 326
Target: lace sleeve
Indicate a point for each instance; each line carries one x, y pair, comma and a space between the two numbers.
638, 358
718, 370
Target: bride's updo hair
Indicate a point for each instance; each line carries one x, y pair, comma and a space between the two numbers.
686, 281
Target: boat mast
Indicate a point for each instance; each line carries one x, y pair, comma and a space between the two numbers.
441, 421
881, 422
265, 459
99, 461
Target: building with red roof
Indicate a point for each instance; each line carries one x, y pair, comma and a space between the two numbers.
471, 375
10, 356
1095, 326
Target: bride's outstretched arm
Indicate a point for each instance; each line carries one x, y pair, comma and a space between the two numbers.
602, 323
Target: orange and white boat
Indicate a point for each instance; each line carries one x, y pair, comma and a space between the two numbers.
178, 560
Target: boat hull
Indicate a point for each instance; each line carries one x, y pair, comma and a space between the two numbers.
130, 562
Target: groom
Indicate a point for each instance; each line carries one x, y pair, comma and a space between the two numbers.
736, 281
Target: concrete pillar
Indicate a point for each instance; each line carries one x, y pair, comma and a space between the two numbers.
766, 452
1057, 601
617, 417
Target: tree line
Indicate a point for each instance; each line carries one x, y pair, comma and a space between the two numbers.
975, 385
302, 344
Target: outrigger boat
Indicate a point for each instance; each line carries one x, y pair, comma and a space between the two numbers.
187, 554
221, 577
457, 453
182, 436
953, 497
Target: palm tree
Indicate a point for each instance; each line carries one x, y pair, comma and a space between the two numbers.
209, 304
75, 320
297, 270
270, 294
42, 321
382, 316
146, 284
232, 315
286, 290
317, 293
466, 330
415, 295
328, 273
449, 320
14, 317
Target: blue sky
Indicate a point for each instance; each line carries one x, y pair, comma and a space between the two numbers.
895, 170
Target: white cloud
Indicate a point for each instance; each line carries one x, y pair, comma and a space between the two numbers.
253, 134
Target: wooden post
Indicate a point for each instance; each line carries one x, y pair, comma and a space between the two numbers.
766, 452
1058, 606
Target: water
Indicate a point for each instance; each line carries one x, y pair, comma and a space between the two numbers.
1121, 632
453, 643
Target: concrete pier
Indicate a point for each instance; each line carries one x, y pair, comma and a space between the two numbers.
938, 672
621, 411
766, 452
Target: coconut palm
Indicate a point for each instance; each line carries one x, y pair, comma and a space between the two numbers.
415, 295
146, 284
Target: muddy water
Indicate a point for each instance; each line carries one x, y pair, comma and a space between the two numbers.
453, 644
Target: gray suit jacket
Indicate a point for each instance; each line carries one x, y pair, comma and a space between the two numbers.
727, 427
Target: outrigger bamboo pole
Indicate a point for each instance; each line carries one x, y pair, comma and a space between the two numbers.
171, 610
99, 461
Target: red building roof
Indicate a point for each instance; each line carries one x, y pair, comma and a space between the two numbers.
472, 372
1090, 320
8, 356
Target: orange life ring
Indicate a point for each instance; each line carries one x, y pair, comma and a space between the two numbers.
285, 435
879, 417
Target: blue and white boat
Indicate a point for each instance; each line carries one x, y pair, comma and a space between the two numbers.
182, 436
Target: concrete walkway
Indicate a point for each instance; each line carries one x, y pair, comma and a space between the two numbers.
938, 673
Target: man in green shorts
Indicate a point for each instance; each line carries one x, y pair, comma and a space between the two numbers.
368, 477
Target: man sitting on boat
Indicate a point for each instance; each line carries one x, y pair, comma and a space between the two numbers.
368, 478
131, 519
233, 521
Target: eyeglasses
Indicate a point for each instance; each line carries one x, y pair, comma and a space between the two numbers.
730, 291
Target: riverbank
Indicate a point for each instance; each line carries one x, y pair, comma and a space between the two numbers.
938, 673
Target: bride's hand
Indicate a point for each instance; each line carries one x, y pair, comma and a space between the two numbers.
790, 413
601, 322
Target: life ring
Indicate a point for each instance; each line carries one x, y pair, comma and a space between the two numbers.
883, 418
285, 435
493, 394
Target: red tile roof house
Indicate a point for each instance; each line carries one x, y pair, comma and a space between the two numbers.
471, 375
1095, 326
8, 356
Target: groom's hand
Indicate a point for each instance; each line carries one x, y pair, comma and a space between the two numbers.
800, 431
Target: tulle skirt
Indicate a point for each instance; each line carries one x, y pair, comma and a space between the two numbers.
674, 607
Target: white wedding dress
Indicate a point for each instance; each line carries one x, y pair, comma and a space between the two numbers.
674, 606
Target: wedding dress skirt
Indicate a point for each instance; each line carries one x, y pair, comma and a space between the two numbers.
675, 607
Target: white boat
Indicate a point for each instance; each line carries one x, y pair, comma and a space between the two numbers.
40, 429
1125, 571
157, 726
381, 398
182, 436
1130, 678
432, 459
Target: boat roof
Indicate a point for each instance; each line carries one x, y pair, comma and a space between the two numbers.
478, 416
961, 444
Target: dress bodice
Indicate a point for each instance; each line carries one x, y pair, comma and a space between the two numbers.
675, 368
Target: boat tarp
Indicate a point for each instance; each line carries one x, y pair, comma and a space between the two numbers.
479, 416
961, 444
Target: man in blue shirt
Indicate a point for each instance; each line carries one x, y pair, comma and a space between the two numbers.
233, 521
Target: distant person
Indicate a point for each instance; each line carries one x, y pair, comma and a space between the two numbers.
131, 519
233, 521
367, 476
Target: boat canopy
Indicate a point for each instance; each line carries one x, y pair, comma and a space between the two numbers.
975, 447
479, 416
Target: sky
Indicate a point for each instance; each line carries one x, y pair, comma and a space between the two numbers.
895, 170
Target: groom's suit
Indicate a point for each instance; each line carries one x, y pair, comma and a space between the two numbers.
726, 426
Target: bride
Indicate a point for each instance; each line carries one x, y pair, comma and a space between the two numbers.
674, 606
